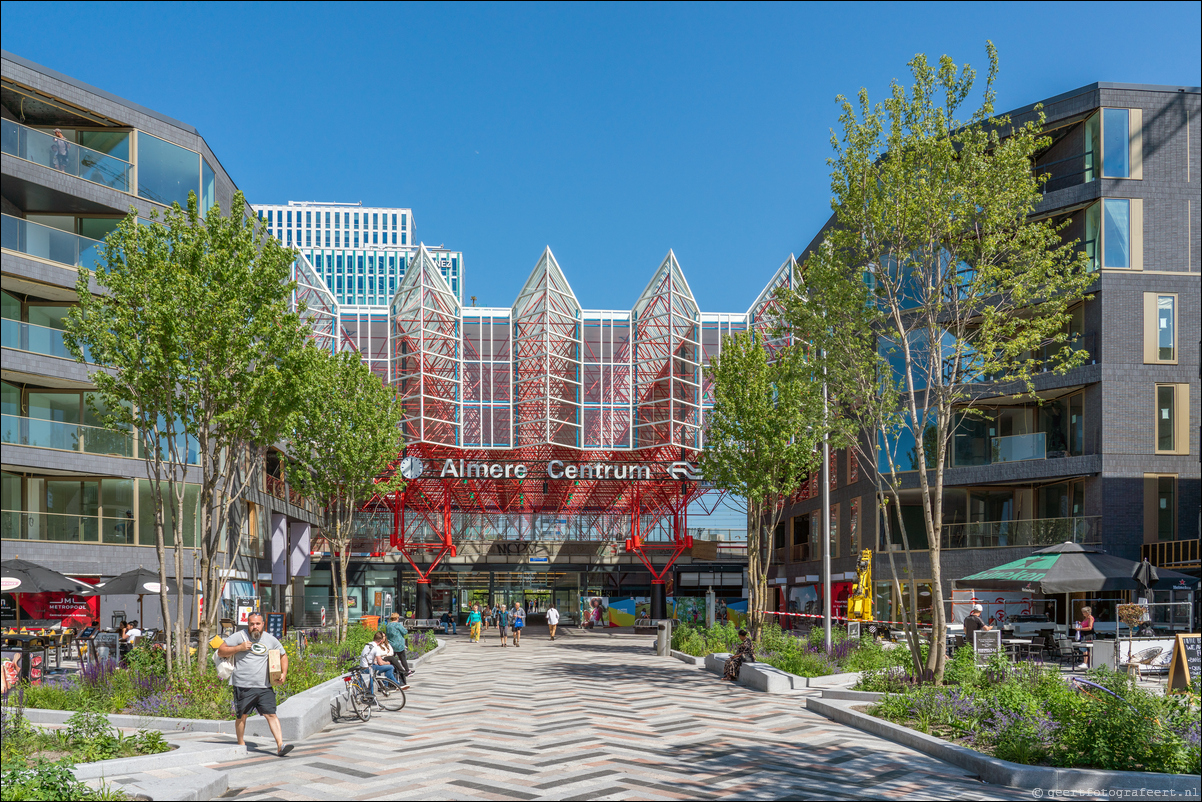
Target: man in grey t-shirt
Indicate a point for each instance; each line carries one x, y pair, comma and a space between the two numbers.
252, 686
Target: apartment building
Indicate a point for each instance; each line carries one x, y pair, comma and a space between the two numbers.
1109, 453
75, 497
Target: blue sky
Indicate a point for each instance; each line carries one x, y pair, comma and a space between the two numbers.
609, 132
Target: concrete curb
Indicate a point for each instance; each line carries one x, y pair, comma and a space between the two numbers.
205, 784
1003, 772
688, 658
853, 696
301, 716
188, 753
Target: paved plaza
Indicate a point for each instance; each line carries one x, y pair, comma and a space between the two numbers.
592, 716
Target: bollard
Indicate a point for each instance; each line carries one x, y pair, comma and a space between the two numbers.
663, 638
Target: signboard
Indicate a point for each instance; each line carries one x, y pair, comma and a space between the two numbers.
539, 559
413, 468
986, 644
1185, 668
853, 630
275, 625
243, 607
387, 604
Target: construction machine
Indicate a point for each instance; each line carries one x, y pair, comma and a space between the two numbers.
859, 604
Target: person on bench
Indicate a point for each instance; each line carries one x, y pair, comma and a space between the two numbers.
744, 653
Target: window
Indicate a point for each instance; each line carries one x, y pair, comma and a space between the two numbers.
356, 219
394, 221
1160, 327
394, 238
853, 520
166, 172
402, 221
1172, 419
1160, 507
1116, 143
1114, 233
289, 217
208, 192
375, 220
834, 531
309, 219
375, 238
328, 219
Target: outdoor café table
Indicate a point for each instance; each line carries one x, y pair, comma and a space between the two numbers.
1016, 645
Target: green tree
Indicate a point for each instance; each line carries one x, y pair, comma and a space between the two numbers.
938, 286
347, 432
197, 331
763, 436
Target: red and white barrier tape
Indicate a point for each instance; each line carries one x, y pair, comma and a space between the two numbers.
833, 617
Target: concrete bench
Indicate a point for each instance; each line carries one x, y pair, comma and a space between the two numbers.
760, 676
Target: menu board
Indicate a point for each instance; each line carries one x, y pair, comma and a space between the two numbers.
275, 625
986, 643
1185, 669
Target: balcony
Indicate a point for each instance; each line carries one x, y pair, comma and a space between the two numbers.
1177, 555
51, 244
36, 339
90, 165
16, 525
1018, 447
40, 433
1030, 532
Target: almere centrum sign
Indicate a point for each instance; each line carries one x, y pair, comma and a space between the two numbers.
412, 468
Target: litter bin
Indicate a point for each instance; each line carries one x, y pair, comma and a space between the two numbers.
372, 622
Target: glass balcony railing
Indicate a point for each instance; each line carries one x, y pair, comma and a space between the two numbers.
39, 433
44, 242
1031, 532
35, 338
1019, 447
59, 154
15, 525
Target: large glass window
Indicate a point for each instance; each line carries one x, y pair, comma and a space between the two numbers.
1116, 139
166, 172
1165, 329
1116, 234
1165, 440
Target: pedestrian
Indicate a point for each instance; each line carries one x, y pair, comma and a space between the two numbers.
59, 148
552, 619
132, 633
473, 623
448, 623
743, 654
973, 624
396, 635
519, 622
502, 623
251, 683
1085, 633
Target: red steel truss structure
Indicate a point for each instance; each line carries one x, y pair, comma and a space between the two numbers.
500, 402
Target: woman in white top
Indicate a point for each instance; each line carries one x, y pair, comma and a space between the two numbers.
371, 660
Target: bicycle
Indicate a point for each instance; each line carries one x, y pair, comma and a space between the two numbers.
388, 696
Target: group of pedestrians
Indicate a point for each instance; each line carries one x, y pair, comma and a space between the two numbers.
508, 622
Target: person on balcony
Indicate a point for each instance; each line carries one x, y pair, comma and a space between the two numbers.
59, 148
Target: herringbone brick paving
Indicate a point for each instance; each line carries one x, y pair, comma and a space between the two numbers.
593, 717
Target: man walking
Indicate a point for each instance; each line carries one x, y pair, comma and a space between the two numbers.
552, 619
252, 686
502, 623
396, 634
519, 621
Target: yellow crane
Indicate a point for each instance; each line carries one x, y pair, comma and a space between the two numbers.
859, 604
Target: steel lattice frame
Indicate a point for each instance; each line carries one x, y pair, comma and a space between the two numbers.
547, 380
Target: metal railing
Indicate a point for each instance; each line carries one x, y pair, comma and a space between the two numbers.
48, 150
1031, 532
45, 242
36, 339
17, 525
702, 533
800, 553
39, 433
1176, 554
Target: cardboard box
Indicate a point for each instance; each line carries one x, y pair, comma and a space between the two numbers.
275, 665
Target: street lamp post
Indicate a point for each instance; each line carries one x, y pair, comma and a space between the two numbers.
826, 519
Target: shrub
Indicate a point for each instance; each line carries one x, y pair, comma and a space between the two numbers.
51, 781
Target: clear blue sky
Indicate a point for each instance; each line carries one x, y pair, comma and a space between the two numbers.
609, 132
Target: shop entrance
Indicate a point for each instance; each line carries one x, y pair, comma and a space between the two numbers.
534, 590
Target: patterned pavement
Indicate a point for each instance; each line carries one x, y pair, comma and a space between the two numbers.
593, 717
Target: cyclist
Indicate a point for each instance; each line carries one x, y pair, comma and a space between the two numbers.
371, 661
